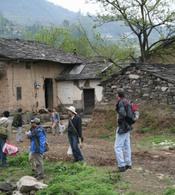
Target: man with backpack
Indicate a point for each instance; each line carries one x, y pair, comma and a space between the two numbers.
37, 138
122, 145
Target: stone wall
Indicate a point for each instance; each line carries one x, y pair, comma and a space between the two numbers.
139, 85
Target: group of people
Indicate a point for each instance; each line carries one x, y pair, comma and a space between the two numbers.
37, 137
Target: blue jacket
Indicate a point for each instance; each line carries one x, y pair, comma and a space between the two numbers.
37, 138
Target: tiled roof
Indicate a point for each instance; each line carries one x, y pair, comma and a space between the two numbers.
15, 49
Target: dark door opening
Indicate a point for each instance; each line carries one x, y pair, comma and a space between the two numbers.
89, 100
48, 85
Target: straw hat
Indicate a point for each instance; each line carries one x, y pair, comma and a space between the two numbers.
72, 109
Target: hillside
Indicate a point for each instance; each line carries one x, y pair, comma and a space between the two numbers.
44, 13
34, 11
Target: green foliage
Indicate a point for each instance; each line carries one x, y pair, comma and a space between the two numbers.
145, 130
172, 129
169, 191
20, 160
78, 179
143, 18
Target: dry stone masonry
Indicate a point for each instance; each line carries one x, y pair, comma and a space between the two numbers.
143, 82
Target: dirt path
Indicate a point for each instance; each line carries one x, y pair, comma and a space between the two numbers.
151, 171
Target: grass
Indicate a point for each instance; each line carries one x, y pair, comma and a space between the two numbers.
169, 191
64, 178
151, 141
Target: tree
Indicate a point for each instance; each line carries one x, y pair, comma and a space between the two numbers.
144, 17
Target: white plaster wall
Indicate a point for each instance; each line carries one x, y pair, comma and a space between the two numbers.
68, 91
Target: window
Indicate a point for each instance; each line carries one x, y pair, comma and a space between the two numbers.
18, 93
28, 65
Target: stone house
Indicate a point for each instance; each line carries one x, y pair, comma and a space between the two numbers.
143, 82
29, 76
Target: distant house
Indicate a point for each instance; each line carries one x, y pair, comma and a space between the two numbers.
143, 82
79, 85
30, 77
164, 53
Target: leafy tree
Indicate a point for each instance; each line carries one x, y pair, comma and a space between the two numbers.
144, 17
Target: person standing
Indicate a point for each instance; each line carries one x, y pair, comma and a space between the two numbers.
37, 138
18, 122
55, 118
122, 145
75, 133
5, 131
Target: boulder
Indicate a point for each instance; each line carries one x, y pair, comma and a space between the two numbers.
17, 193
28, 183
6, 187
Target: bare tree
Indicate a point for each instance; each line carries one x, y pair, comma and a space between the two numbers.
143, 17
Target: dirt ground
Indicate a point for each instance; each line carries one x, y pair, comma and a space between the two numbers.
151, 173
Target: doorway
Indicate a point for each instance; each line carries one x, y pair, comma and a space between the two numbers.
48, 86
89, 100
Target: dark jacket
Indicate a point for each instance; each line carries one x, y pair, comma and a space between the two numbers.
123, 126
77, 123
17, 121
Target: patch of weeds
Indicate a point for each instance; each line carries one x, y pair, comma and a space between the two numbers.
78, 179
169, 191
172, 130
135, 193
107, 137
157, 140
114, 177
20, 160
145, 130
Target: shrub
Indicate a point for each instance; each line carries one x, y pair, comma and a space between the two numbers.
20, 160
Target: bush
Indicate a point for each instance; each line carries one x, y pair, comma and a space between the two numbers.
20, 160
169, 191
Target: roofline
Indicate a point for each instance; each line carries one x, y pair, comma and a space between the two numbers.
35, 60
138, 65
76, 79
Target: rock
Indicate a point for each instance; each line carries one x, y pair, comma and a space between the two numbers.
17, 193
28, 183
134, 76
6, 187
164, 89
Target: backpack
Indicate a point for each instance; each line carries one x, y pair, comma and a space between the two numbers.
132, 113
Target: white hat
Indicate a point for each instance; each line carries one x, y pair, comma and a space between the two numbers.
72, 109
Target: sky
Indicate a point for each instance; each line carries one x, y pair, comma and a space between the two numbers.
77, 5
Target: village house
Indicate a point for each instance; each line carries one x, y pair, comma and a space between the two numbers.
143, 82
32, 76
79, 85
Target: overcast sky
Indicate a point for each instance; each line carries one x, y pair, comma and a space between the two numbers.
77, 5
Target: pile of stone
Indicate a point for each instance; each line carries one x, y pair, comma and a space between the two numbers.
27, 185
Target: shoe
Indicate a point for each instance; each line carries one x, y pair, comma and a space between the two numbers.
128, 167
121, 169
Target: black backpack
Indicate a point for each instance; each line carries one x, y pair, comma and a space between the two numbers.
130, 115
